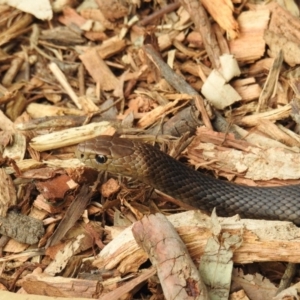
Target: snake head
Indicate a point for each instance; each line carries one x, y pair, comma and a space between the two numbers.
112, 154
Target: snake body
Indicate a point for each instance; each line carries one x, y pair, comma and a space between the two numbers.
151, 166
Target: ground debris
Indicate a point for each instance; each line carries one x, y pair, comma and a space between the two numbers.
213, 83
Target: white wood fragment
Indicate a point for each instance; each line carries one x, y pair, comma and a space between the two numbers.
218, 92
230, 67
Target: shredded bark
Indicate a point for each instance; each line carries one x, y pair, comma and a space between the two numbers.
213, 83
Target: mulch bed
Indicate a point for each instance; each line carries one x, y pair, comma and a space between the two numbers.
214, 84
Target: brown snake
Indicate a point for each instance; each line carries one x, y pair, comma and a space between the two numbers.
152, 166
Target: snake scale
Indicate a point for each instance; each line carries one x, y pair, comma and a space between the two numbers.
151, 166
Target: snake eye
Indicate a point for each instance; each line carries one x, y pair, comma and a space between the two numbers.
101, 159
